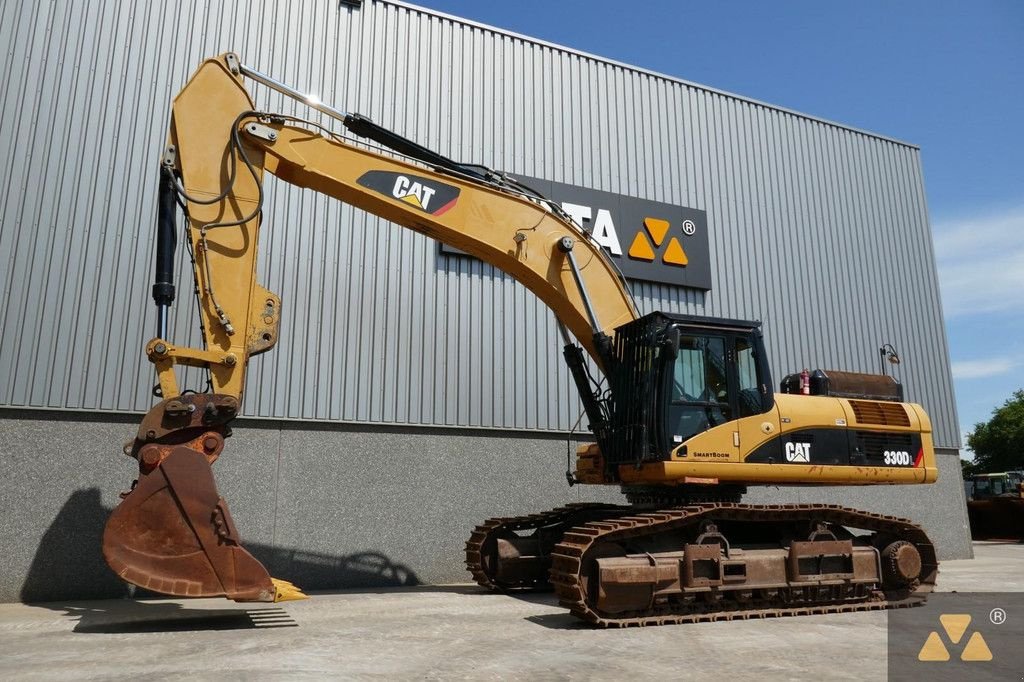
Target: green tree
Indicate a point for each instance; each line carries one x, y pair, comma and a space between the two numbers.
998, 444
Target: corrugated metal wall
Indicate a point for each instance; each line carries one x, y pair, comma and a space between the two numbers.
819, 230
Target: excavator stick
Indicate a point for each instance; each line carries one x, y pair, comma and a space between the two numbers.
173, 532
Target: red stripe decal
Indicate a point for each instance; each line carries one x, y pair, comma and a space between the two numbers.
920, 456
446, 206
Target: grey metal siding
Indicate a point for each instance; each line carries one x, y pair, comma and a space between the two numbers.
817, 229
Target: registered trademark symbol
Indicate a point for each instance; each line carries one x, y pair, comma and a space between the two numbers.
689, 227
997, 616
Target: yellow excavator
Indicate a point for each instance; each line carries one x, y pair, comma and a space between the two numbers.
684, 419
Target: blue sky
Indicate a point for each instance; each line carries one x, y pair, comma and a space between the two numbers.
947, 76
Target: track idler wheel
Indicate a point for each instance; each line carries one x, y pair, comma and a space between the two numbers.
173, 534
901, 563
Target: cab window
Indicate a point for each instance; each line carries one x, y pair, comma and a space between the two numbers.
700, 395
746, 369
700, 371
689, 371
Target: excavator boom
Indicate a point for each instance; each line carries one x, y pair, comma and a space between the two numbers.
173, 533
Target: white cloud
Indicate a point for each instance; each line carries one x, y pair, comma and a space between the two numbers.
978, 369
981, 263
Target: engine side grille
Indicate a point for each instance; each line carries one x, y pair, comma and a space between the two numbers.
881, 413
873, 445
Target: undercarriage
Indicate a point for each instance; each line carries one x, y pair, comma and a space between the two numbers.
618, 566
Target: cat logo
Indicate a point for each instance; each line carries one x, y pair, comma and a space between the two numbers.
955, 625
427, 195
656, 229
798, 452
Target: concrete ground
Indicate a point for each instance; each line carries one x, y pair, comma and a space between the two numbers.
445, 632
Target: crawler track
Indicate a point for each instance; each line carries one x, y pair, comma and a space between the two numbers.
571, 564
560, 519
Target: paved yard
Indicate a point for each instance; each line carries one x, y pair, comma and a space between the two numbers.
445, 632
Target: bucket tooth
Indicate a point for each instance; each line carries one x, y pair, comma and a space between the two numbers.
285, 591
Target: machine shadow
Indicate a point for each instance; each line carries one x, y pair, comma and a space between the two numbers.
323, 572
68, 572
68, 563
559, 621
130, 616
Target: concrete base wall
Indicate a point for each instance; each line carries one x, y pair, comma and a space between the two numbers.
331, 506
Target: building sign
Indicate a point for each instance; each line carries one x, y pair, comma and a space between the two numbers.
649, 241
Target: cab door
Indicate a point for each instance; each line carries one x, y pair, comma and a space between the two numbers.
699, 387
753, 425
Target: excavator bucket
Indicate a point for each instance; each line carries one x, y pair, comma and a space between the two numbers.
173, 534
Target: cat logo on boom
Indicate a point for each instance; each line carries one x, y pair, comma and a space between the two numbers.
425, 194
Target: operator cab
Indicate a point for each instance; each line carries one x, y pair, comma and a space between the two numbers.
674, 376
718, 375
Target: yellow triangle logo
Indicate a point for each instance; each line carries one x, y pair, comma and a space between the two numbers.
412, 199
955, 625
674, 254
976, 649
933, 649
641, 248
658, 229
